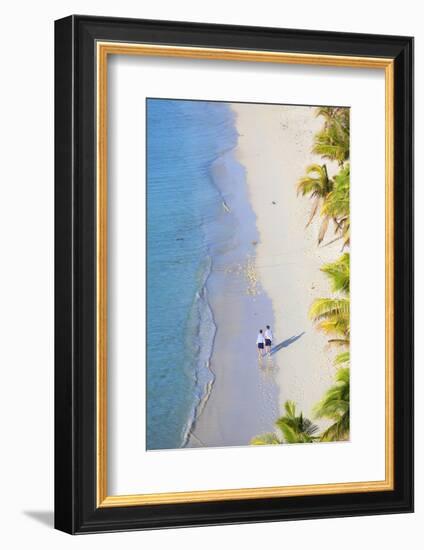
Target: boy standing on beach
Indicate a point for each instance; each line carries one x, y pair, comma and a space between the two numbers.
268, 339
260, 341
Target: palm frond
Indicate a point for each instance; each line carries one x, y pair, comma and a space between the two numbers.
342, 358
296, 428
335, 406
323, 229
329, 308
332, 316
265, 439
339, 431
339, 341
339, 273
316, 182
314, 210
337, 202
332, 141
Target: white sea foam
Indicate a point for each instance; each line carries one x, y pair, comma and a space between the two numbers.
203, 330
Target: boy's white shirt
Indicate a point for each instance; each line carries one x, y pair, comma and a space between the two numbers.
260, 339
268, 334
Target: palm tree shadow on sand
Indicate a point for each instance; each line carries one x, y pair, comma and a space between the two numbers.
286, 343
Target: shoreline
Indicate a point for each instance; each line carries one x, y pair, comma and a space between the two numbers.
236, 298
203, 374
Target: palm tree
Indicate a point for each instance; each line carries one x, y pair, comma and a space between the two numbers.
332, 142
332, 316
339, 274
342, 358
336, 204
266, 439
340, 114
317, 185
294, 429
335, 406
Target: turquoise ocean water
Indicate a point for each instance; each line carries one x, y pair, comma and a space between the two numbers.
184, 138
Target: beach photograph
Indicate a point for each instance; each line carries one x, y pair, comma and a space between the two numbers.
248, 274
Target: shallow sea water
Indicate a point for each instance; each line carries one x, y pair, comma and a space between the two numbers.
184, 139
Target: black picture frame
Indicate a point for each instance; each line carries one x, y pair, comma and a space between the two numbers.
75, 275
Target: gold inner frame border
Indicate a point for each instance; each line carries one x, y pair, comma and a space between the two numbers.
103, 50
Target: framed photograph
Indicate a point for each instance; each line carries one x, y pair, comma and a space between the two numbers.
234, 274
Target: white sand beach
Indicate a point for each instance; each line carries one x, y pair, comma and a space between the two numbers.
269, 274
274, 146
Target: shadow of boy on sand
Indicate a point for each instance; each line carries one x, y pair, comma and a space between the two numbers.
286, 343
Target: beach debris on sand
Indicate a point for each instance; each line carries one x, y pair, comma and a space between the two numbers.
226, 207
251, 277
248, 271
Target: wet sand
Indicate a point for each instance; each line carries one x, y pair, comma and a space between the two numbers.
244, 397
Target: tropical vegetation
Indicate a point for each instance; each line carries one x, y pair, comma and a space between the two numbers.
330, 195
294, 428
334, 406
332, 314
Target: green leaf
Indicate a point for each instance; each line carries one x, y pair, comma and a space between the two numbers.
265, 439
